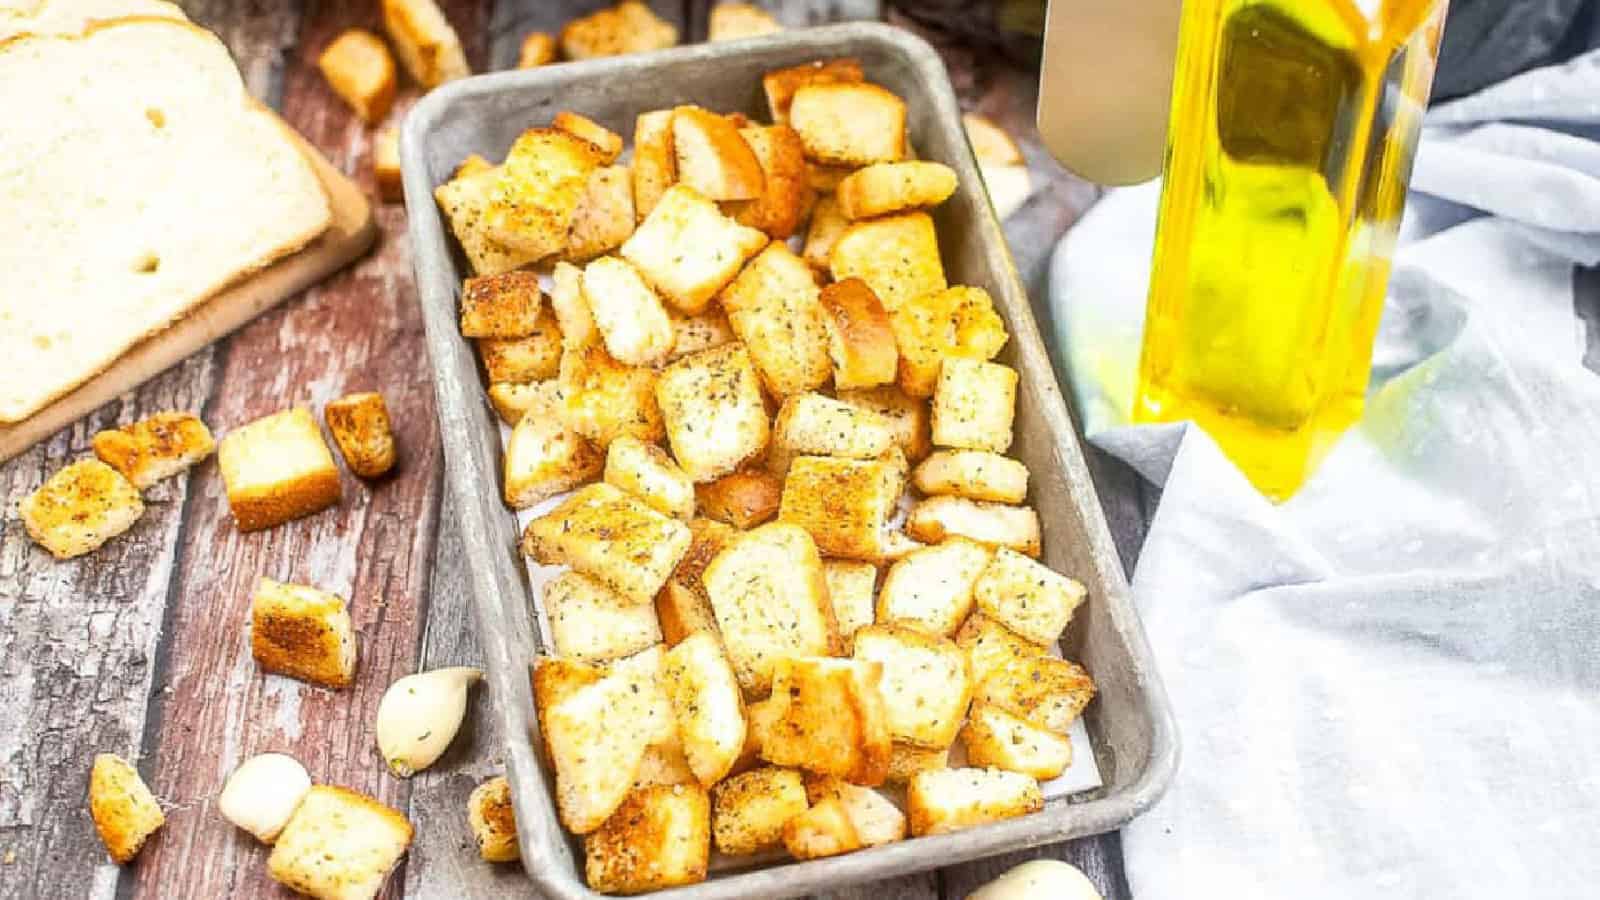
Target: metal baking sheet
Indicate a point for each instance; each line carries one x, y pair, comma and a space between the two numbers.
1130, 726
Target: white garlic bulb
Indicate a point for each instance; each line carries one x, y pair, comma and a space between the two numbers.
1039, 879
262, 793
419, 716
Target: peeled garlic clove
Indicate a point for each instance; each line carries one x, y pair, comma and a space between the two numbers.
419, 716
263, 793
1039, 879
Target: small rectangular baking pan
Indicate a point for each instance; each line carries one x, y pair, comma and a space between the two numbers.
1130, 724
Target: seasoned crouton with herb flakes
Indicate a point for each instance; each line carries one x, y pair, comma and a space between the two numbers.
277, 468
748, 811
465, 202
608, 142
704, 692
688, 250
554, 680
713, 157
501, 306
493, 820
906, 760
786, 193
852, 587
339, 845
1027, 597
659, 838
907, 415
124, 811
603, 399
597, 735
303, 633
897, 256
613, 538
773, 307
821, 831
771, 601
817, 425
743, 499
538, 48
360, 427
360, 70
571, 308
885, 188
946, 800
993, 525
780, 84
1047, 691
532, 357
428, 46
925, 685
604, 216
655, 160
544, 457
860, 340
994, 737
990, 645
706, 331
154, 448
973, 405
628, 27
591, 623
853, 124
732, 21
511, 400
682, 606
931, 589
633, 324
828, 716
931, 328
875, 817
537, 190
715, 418
647, 472
974, 474
828, 223
844, 504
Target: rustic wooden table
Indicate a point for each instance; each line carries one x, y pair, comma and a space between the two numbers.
140, 648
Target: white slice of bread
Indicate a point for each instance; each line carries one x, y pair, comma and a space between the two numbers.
75, 16
207, 187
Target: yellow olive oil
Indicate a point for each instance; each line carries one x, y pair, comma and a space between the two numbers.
1292, 130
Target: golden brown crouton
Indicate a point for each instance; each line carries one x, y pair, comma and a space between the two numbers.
1047, 691
428, 46
700, 683
493, 820
860, 341
994, 737
554, 680
303, 633
817, 425
974, 474
543, 456
931, 589
771, 601
533, 357
990, 143
956, 323
828, 716
1026, 597
743, 499
277, 468
714, 416
828, 224
823, 830
611, 537
897, 256
608, 142
749, 811
780, 84
633, 324
339, 845
511, 400
659, 838
946, 800
688, 250
875, 818
782, 204
926, 687
571, 308
773, 307
973, 405
884, 188
732, 21
124, 811
691, 334
386, 173
472, 165
906, 760
538, 49
907, 415
465, 201
990, 645
156, 447
683, 607
647, 472
536, 192
845, 504
825, 179
604, 217
591, 623
664, 764
604, 399
851, 587
360, 426
628, 27
851, 124
655, 160
597, 736
990, 524
713, 157
361, 71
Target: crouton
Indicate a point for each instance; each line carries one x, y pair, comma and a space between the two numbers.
659, 838
493, 820
597, 736
691, 334
533, 357
700, 683
771, 601
743, 499
360, 70
554, 680
1026, 597
851, 588
591, 623
907, 415
472, 165
885, 188
946, 800
828, 223
604, 399
647, 472
989, 645
825, 179
683, 606
821, 831
1044, 690
780, 84
714, 416
360, 427
906, 760
664, 764
465, 201
748, 811
990, 524
386, 175
124, 811
277, 468
773, 307
931, 589
990, 143
860, 341
875, 818
655, 160
154, 448
608, 142
628, 27
303, 633
712, 157
603, 218
816, 425
973, 405
538, 48
538, 189
828, 716
897, 256
956, 323
511, 400
974, 474
544, 457
994, 737
844, 504
851, 124
781, 206
611, 537
926, 686
633, 324
428, 47
339, 845
732, 21
571, 308
688, 250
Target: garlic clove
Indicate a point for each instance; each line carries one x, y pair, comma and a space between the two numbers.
1039, 879
419, 716
262, 793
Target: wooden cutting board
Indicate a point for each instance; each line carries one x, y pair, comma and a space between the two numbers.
351, 233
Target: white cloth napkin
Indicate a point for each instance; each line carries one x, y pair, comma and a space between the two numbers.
1388, 686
